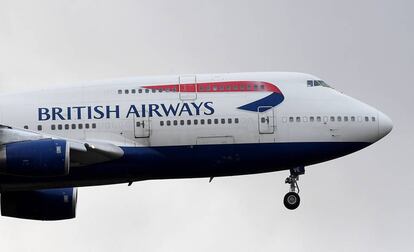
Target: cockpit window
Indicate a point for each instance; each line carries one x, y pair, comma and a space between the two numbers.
315, 83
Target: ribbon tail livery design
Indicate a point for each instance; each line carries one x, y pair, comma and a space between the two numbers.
169, 127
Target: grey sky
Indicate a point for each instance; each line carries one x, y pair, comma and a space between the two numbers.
361, 202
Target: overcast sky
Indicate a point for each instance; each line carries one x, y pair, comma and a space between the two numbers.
362, 202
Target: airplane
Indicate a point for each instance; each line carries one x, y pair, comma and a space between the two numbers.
53, 141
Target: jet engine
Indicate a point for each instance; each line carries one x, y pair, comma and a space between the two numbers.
47, 205
35, 158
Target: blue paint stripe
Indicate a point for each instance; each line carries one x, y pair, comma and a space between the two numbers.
269, 101
141, 163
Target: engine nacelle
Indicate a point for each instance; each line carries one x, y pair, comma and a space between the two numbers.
35, 158
47, 205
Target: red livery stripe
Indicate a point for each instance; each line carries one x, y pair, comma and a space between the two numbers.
212, 87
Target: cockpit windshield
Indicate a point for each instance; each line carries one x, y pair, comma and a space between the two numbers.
315, 83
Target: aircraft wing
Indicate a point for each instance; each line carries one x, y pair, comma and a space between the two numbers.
82, 152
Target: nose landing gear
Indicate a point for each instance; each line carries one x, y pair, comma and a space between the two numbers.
292, 199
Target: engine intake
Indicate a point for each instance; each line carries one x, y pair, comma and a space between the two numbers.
35, 158
47, 205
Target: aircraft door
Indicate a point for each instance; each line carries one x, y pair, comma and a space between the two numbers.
266, 120
142, 126
188, 87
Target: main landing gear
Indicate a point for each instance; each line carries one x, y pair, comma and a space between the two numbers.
292, 199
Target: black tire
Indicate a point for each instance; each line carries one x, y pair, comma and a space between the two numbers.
291, 200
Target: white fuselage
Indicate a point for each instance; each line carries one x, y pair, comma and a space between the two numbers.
142, 113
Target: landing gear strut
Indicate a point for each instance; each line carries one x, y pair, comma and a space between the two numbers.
292, 199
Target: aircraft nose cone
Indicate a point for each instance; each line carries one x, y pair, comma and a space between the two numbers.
385, 125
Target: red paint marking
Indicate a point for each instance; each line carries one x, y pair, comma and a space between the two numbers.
188, 87
213, 87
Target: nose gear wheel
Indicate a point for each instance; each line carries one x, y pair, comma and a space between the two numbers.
292, 199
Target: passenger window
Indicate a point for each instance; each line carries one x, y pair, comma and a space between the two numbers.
154, 90
352, 118
367, 119
60, 127
138, 124
39, 127
188, 122
133, 91
53, 127
214, 88
311, 119
175, 122
126, 91
208, 121
339, 119
73, 126
140, 91
223, 121
182, 122
242, 87
119, 91
235, 88
298, 119
255, 87
195, 122
236, 120
147, 91
346, 118
229, 120
332, 118
221, 88
291, 119
86, 125
262, 87
80, 126
373, 119
263, 120
93, 125
215, 121
228, 88
168, 123
202, 121
319, 119
161, 123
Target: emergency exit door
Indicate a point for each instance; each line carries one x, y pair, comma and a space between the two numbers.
142, 126
266, 120
188, 87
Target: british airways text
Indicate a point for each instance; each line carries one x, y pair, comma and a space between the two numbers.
115, 111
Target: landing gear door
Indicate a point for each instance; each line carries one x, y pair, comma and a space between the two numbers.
142, 126
188, 87
266, 120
